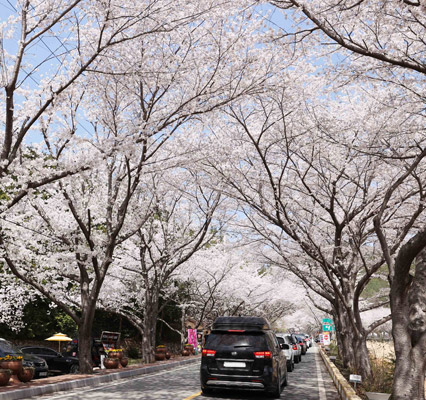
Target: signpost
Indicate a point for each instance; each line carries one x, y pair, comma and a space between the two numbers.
355, 379
326, 338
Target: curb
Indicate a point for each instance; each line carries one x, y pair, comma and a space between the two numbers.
92, 381
346, 392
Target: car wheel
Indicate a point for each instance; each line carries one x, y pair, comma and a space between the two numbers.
285, 383
296, 359
276, 393
74, 369
290, 366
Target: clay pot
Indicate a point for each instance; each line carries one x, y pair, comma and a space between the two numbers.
160, 356
116, 354
168, 355
111, 363
14, 365
26, 374
124, 361
160, 350
185, 352
5, 375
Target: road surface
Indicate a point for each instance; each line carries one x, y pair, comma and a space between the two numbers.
309, 381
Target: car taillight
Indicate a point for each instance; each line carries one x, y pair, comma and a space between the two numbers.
262, 354
295, 347
208, 353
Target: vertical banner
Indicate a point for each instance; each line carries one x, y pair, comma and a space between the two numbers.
192, 338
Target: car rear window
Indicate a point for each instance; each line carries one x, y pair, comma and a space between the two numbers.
236, 339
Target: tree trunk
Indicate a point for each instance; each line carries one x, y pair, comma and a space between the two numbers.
408, 303
352, 344
149, 327
85, 340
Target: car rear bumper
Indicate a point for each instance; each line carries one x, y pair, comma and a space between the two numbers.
220, 381
234, 384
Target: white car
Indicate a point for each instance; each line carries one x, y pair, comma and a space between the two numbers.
287, 348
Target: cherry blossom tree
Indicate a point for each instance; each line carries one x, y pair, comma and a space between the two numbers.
382, 41
311, 197
145, 92
182, 218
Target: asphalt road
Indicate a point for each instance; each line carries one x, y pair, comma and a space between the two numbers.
308, 381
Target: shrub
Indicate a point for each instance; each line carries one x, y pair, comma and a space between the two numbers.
133, 352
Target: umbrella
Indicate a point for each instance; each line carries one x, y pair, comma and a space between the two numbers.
59, 337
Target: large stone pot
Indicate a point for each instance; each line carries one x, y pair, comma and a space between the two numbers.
14, 365
124, 361
26, 374
111, 363
5, 375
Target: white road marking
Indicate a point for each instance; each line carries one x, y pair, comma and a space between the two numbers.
321, 387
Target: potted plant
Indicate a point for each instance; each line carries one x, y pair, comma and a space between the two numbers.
115, 353
5, 375
11, 362
111, 363
190, 348
26, 374
160, 352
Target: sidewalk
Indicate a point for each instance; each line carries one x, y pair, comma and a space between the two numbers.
58, 383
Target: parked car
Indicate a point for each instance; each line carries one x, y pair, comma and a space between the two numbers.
301, 341
41, 369
243, 353
308, 339
57, 362
287, 348
297, 348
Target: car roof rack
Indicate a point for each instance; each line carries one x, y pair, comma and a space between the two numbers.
241, 323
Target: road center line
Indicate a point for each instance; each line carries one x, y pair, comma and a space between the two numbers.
321, 387
192, 396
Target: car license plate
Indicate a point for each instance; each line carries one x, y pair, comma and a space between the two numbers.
232, 364
43, 374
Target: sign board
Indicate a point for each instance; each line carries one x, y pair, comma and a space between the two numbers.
326, 339
327, 325
355, 378
110, 339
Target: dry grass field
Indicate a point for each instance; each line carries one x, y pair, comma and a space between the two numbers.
383, 350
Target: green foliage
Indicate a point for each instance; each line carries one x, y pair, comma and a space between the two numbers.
133, 352
373, 287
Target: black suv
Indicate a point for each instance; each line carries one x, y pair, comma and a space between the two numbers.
56, 361
243, 353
